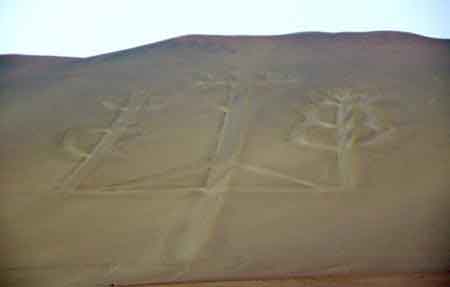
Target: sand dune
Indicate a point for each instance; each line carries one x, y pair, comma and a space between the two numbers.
212, 157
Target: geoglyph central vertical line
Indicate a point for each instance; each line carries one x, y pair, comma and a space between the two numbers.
345, 124
203, 216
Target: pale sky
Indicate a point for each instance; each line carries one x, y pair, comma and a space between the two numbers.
89, 27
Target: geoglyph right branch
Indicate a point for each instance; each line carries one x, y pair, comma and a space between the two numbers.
356, 123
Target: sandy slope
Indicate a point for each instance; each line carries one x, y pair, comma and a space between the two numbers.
372, 280
207, 157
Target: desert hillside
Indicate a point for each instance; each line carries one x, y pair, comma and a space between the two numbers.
204, 157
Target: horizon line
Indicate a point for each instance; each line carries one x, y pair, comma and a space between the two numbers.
228, 36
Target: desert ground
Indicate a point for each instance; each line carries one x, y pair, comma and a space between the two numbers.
211, 157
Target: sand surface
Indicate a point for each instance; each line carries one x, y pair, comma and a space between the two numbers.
207, 157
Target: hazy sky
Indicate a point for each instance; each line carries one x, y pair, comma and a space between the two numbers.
90, 27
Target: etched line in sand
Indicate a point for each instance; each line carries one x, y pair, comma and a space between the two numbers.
70, 145
147, 182
125, 115
273, 173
